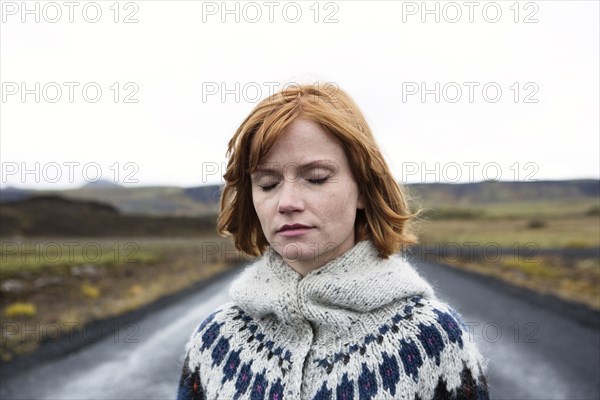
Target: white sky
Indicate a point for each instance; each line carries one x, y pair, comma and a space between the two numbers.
377, 51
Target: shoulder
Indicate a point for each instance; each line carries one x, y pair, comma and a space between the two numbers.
216, 320
214, 327
433, 334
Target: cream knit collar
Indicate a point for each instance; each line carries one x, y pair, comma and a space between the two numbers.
345, 296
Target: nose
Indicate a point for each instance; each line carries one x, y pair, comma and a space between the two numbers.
290, 198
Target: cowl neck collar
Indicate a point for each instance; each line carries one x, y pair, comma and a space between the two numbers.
343, 295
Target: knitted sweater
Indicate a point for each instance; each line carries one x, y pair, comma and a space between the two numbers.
359, 327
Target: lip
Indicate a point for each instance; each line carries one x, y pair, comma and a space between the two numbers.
293, 230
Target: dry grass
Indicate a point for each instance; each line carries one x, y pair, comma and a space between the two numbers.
568, 232
113, 290
576, 280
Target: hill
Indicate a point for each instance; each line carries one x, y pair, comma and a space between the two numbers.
204, 200
56, 216
479, 193
13, 194
152, 200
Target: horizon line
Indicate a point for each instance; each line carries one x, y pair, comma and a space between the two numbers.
139, 186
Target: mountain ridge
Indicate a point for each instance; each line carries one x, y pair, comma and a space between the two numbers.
204, 200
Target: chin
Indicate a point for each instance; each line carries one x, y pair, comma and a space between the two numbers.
297, 250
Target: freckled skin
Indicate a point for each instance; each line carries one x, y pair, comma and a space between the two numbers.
293, 196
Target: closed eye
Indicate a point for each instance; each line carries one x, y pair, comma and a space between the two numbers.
313, 181
267, 188
318, 181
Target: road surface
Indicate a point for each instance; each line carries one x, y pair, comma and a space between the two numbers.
533, 351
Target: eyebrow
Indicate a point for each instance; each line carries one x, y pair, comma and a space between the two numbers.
326, 164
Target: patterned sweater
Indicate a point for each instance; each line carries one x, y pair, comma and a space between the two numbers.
360, 327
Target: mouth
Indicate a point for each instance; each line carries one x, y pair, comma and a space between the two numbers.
293, 229
287, 227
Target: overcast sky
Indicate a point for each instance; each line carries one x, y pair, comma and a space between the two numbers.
517, 86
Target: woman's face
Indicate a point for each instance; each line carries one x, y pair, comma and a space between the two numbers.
305, 179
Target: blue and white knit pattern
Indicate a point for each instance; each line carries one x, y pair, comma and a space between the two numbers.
360, 327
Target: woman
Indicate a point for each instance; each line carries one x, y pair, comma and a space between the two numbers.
328, 311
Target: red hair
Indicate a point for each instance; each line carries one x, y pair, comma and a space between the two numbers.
386, 215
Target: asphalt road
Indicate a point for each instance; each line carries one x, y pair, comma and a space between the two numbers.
533, 351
